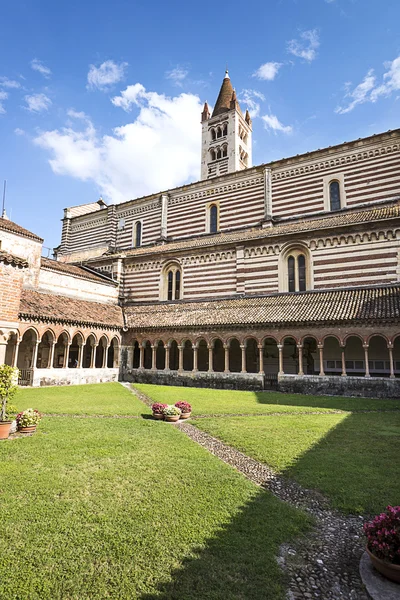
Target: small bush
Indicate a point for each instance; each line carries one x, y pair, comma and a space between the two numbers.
383, 535
8, 389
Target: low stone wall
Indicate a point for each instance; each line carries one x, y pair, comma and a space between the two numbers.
228, 381
44, 377
361, 387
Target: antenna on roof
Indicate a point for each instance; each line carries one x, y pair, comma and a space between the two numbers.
3, 212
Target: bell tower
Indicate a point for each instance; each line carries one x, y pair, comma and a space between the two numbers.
226, 135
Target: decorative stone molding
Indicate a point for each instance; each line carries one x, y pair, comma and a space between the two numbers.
218, 190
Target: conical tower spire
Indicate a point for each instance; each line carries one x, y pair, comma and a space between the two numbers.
223, 103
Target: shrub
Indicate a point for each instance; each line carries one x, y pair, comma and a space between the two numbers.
170, 410
158, 408
8, 388
383, 535
184, 406
28, 417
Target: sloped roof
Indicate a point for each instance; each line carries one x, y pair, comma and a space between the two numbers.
313, 308
11, 259
84, 209
223, 102
8, 225
54, 308
74, 270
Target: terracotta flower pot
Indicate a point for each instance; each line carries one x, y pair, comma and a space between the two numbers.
5, 427
158, 416
185, 415
386, 569
172, 418
30, 429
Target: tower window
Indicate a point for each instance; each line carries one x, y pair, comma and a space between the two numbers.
212, 153
334, 195
219, 132
137, 234
225, 130
225, 151
219, 155
172, 283
212, 134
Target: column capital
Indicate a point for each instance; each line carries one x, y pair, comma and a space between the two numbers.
279, 346
365, 345
260, 346
299, 346
320, 346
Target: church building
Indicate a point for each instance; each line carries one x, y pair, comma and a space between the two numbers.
284, 275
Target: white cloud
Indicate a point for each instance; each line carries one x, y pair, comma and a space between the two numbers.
359, 95
177, 75
74, 114
267, 71
3, 96
159, 149
37, 65
391, 80
19, 131
37, 102
9, 83
306, 47
272, 122
251, 98
106, 75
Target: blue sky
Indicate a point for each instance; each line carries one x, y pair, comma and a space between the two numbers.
104, 98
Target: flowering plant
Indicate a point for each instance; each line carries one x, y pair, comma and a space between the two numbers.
170, 410
184, 406
8, 389
383, 535
158, 408
28, 417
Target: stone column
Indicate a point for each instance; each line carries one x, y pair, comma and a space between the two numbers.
153, 356
3, 349
167, 357
129, 357
34, 354
243, 349
261, 358
226, 367
16, 350
210, 359
141, 356
343, 363
51, 354
180, 350
280, 350
195, 349
367, 373
80, 356
391, 362
321, 360
105, 355
300, 350
93, 356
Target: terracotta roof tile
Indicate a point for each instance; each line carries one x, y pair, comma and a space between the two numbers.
223, 103
74, 270
314, 307
14, 228
13, 260
51, 307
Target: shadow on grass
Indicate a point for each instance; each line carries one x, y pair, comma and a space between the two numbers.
240, 562
333, 402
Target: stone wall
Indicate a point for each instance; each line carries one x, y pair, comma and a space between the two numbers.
360, 387
45, 377
77, 287
228, 381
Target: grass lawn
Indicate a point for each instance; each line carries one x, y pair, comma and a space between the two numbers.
95, 399
352, 458
219, 402
130, 508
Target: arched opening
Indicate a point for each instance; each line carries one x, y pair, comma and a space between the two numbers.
60, 360
212, 131
219, 154
171, 282
187, 356
11, 349
396, 356
310, 356
100, 352
295, 272
212, 154
332, 356
137, 234
225, 151
290, 356
354, 356
26, 349
378, 357
252, 356
235, 356
334, 195
225, 130
147, 355
218, 356
74, 350
136, 355
213, 218
44, 351
270, 356
219, 132
88, 351
113, 354
173, 356
202, 355
160, 356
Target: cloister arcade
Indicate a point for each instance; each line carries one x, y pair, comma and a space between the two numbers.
375, 355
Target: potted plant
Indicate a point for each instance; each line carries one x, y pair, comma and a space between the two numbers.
172, 413
8, 389
186, 409
158, 410
383, 542
27, 420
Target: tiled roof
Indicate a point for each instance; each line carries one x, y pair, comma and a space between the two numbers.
223, 102
51, 307
332, 220
14, 228
314, 307
13, 260
74, 270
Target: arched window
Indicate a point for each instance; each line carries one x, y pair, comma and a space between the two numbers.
137, 235
213, 218
212, 152
297, 276
295, 268
334, 195
212, 134
219, 153
225, 150
219, 132
225, 131
172, 282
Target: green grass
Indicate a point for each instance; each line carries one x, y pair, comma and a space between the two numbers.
351, 458
219, 402
93, 399
131, 508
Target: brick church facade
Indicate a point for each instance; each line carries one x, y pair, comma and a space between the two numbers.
285, 274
